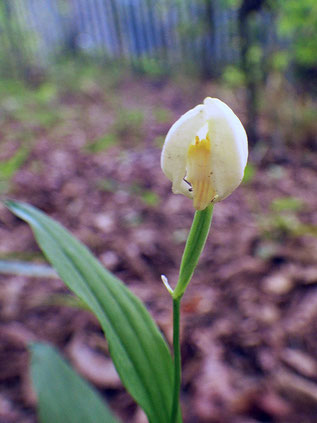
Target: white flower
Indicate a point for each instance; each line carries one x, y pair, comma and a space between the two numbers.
205, 153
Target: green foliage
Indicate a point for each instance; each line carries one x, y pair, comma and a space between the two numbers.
9, 167
13, 88
278, 225
17, 43
127, 126
292, 120
286, 204
255, 55
231, 3
151, 67
280, 61
80, 74
150, 198
187, 30
102, 143
63, 396
283, 220
298, 22
233, 77
42, 117
137, 348
30, 106
147, 196
45, 93
249, 173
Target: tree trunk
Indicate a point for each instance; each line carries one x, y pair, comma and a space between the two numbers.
251, 80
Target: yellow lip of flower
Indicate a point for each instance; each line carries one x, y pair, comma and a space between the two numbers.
207, 148
199, 172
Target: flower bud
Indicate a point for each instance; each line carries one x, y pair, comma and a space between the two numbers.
205, 153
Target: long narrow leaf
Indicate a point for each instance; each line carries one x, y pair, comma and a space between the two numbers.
63, 396
138, 349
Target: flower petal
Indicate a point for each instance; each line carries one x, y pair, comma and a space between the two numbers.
229, 147
174, 153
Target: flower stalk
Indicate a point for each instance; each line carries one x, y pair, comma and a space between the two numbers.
177, 360
194, 246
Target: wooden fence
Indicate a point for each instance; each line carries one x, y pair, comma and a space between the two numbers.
154, 34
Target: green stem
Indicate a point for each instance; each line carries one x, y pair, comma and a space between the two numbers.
194, 246
177, 360
195, 243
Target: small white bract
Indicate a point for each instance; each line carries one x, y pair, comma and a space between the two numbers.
205, 153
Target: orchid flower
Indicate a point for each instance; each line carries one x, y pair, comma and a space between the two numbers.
205, 153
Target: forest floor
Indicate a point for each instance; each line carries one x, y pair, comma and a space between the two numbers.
90, 159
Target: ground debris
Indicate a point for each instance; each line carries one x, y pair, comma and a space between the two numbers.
249, 315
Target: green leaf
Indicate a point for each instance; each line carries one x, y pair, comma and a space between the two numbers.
63, 396
138, 350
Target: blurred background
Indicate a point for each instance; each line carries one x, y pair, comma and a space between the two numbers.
88, 91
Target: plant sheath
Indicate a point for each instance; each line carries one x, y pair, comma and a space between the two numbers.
194, 246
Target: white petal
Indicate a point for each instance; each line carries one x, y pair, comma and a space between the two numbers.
229, 147
174, 153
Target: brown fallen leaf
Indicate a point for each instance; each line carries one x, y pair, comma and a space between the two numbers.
95, 367
300, 361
